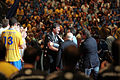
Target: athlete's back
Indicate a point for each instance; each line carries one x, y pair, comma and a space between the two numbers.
12, 39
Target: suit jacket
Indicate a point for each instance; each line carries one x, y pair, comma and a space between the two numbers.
89, 50
50, 37
61, 49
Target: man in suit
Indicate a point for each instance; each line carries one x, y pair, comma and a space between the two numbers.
70, 57
52, 41
68, 42
88, 49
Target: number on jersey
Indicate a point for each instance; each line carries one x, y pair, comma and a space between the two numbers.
10, 40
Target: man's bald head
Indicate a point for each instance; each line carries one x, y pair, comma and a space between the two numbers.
69, 36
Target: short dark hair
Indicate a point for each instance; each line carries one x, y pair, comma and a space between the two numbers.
30, 54
70, 56
2, 51
5, 22
55, 25
86, 32
116, 51
13, 21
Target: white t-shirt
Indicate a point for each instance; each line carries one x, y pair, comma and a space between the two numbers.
3, 29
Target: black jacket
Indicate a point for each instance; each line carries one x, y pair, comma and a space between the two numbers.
62, 47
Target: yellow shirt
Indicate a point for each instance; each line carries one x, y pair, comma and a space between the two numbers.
57, 11
50, 11
61, 11
12, 39
11, 1
24, 25
20, 12
7, 69
29, 26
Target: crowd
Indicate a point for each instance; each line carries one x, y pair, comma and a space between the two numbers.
95, 15
58, 27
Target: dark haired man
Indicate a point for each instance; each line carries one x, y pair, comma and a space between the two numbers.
52, 41
12, 40
70, 57
89, 50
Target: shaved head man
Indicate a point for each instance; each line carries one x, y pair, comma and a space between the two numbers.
68, 42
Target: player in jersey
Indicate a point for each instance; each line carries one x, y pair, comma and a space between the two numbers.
13, 40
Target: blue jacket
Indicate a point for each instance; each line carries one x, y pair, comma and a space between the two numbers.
89, 51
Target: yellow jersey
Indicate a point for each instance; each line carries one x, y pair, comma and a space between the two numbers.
12, 39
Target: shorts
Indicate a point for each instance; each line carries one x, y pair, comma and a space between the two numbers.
17, 64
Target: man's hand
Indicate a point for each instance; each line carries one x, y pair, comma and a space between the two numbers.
50, 45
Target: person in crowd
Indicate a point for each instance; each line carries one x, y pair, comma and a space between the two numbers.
109, 39
20, 29
12, 40
68, 42
52, 41
24, 35
5, 25
72, 30
112, 71
95, 15
29, 72
85, 7
5, 68
70, 56
112, 25
88, 49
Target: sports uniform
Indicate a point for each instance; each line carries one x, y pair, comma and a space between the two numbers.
12, 39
